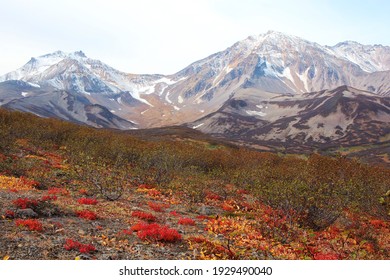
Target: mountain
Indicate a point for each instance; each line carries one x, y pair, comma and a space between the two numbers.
279, 63
68, 85
342, 116
50, 102
287, 73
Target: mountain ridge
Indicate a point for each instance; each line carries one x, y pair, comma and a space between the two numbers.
261, 67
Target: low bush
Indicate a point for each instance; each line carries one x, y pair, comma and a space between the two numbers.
30, 224
70, 244
87, 201
156, 232
186, 221
24, 203
86, 214
144, 216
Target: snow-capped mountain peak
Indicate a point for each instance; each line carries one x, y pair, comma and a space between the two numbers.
271, 63
36, 66
370, 58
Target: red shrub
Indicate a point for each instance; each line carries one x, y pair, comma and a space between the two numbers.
24, 203
377, 224
70, 244
85, 214
48, 197
174, 213
31, 224
86, 248
144, 216
186, 221
87, 201
57, 191
156, 232
137, 227
156, 206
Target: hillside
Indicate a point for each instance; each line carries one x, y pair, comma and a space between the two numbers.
69, 191
317, 121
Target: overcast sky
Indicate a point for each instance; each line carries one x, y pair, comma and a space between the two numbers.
151, 36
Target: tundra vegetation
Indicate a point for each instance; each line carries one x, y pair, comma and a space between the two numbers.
70, 191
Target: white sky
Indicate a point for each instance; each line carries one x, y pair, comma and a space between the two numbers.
151, 36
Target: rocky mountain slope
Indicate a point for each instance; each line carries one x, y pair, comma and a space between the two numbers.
341, 116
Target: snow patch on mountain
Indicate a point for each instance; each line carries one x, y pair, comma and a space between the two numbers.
256, 113
34, 85
197, 126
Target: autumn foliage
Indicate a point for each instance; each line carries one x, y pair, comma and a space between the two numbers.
24, 203
144, 216
86, 214
186, 222
156, 232
71, 244
239, 203
158, 207
57, 191
30, 224
49, 198
87, 201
